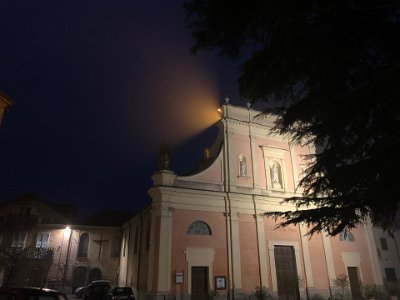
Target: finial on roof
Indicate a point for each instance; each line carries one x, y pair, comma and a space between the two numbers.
226, 99
164, 157
248, 105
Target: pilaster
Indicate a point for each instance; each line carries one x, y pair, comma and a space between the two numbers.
262, 251
236, 267
373, 254
306, 256
329, 259
164, 254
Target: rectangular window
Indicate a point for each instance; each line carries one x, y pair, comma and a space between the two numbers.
390, 274
18, 240
116, 247
384, 244
42, 240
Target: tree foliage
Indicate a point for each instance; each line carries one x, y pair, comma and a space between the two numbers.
332, 71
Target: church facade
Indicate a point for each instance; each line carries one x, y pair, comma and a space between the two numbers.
205, 234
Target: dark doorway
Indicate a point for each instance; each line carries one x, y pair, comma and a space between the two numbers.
199, 283
286, 273
79, 278
35, 277
354, 280
94, 274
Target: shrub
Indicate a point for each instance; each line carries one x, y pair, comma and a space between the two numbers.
341, 281
212, 295
262, 293
392, 288
371, 291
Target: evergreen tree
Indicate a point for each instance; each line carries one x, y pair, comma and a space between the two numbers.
332, 71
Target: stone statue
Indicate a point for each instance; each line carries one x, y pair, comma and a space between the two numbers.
275, 173
242, 166
164, 158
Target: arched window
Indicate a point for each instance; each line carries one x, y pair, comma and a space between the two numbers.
346, 236
199, 228
83, 245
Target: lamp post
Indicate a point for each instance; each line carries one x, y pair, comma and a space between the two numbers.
69, 232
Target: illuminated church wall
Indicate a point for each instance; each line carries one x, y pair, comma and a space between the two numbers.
207, 231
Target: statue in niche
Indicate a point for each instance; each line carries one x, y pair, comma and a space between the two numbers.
242, 165
302, 171
275, 170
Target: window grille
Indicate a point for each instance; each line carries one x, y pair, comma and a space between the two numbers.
199, 228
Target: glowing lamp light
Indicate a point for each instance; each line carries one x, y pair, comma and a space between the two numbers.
220, 113
67, 229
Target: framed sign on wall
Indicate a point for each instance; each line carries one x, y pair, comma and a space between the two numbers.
179, 277
220, 282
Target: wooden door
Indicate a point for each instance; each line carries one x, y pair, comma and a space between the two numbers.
286, 273
355, 285
199, 283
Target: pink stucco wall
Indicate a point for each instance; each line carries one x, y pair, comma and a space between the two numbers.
181, 240
249, 252
360, 246
318, 266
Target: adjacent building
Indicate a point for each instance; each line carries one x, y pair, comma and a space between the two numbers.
41, 244
388, 252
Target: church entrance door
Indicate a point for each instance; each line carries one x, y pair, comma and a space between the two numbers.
354, 283
286, 273
199, 283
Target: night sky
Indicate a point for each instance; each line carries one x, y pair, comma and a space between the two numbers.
97, 87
